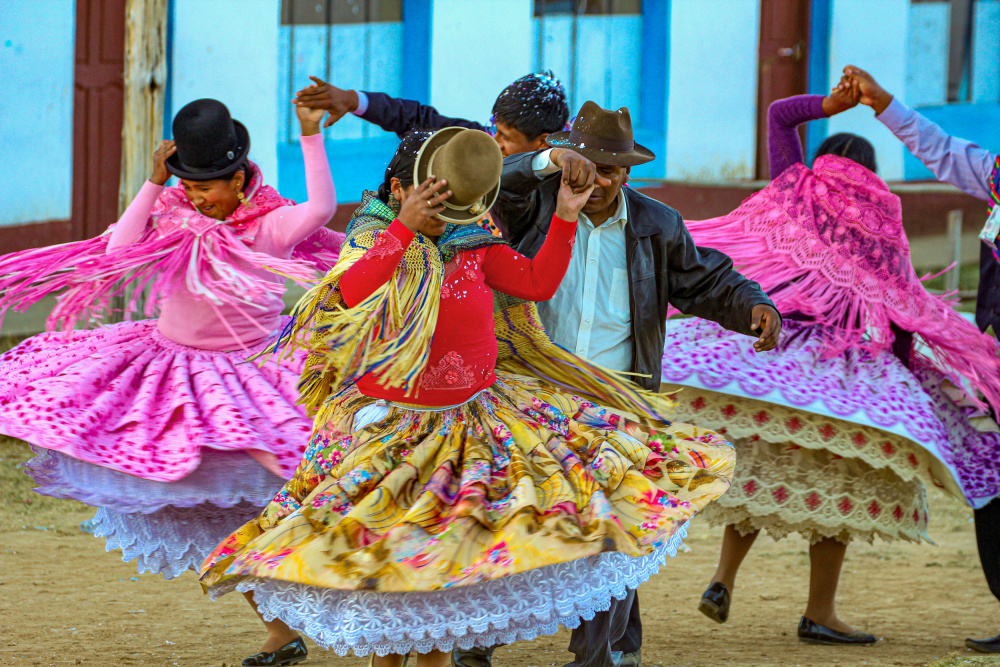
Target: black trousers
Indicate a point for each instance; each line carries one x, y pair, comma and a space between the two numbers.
988, 541
592, 642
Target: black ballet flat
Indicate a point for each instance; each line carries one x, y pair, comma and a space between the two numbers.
291, 653
989, 645
811, 632
715, 602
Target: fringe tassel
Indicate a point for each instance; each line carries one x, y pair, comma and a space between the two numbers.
388, 335
525, 349
215, 265
956, 347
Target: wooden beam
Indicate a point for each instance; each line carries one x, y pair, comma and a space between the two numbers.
145, 83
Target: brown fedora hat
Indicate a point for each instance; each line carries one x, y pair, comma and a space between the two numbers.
471, 162
603, 136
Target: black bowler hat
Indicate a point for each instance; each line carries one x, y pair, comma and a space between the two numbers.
210, 144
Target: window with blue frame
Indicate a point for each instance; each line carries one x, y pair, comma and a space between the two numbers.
353, 44
953, 72
954, 54
594, 47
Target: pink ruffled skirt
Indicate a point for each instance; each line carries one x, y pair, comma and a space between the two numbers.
156, 434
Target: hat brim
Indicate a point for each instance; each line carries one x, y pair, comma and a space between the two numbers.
638, 155
173, 163
420, 174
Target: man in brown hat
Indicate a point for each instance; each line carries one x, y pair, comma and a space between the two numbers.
632, 259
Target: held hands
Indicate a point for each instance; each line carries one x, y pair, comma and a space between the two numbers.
322, 95
160, 175
872, 94
766, 319
844, 96
418, 211
309, 119
569, 203
577, 171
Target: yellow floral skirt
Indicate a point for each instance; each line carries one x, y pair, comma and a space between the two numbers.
496, 520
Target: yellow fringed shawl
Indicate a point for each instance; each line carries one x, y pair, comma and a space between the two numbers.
390, 333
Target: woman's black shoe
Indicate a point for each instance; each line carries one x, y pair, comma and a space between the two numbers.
990, 645
811, 632
291, 653
715, 603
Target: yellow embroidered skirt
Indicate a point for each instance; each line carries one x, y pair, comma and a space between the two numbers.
496, 520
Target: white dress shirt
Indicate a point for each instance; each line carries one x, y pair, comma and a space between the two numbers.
591, 314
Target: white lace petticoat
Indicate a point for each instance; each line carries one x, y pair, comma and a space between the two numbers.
502, 611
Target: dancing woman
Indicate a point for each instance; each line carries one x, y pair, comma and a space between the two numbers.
836, 430
451, 496
161, 423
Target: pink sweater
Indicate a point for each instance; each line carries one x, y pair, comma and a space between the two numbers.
190, 320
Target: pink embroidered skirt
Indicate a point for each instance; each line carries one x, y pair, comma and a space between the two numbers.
154, 433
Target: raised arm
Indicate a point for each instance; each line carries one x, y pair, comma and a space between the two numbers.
519, 201
400, 116
957, 161
389, 113
535, 279
131, 226
783, 119
784, 116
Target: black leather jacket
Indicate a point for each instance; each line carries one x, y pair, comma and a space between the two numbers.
665, 266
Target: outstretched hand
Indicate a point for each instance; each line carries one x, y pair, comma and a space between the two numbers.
418, 211
325, 96
872, 94
166, 148
767, 320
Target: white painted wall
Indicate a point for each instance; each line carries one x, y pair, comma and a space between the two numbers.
873, 36
228, 49
477, 49
36, 110
712, 110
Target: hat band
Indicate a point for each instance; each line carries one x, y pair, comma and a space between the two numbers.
584, 140
227, 160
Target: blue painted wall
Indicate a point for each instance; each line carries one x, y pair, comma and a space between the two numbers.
36, 110
976, 122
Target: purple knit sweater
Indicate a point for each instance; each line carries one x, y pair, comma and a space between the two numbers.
783, 117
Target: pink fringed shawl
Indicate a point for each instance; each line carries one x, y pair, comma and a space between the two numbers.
829, 243
210, 258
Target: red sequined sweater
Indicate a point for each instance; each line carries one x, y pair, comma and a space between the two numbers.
464, 349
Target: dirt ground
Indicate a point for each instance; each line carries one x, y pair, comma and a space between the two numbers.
64, 600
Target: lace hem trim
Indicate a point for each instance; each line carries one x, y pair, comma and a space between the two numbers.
502, 611
745, 418
171, 541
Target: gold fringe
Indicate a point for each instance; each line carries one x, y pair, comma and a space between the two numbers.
525, 349
389, 334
